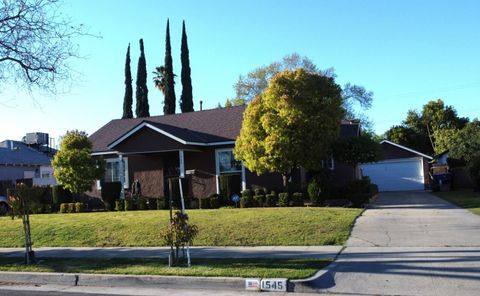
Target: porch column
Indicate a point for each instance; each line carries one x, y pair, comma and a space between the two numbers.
244, 179
182, 163
121, 176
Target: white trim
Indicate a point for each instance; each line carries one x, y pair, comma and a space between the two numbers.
104, 153
394, 160
244, 178
125, 171
181, 159
218, 173
159, 130
405, 148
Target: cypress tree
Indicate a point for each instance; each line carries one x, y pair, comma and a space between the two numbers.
186, 99
142, 90
128, 98
169, 107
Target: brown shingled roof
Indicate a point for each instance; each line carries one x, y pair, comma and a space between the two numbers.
208, 126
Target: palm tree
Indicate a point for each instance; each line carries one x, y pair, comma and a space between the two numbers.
160, 78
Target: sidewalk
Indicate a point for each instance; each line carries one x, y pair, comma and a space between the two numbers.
328, 252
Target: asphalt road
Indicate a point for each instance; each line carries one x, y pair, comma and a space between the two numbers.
409, 244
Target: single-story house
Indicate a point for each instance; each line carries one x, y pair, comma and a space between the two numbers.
197, 146
401, 169
19, 162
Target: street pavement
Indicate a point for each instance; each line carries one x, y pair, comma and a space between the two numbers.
409, 243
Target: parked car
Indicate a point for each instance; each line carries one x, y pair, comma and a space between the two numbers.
3, 205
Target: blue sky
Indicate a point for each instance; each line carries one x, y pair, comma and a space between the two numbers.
406, 52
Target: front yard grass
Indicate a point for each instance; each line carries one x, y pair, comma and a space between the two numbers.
464, 198
222, 227
232, 267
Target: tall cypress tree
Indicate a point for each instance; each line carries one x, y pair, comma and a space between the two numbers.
142, 90
128, 98
169, 107
186, 100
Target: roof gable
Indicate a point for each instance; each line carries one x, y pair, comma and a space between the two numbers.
405, 148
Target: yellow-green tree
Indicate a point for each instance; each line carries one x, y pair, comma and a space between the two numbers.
292, 124
74, 167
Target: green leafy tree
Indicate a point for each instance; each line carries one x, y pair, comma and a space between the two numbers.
186, 99
235, 102
169, 105
128, 98
255, 82
419, 129
355, 150
142, 108
74, 167
292, 124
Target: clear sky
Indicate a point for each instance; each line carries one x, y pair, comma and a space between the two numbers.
406, 52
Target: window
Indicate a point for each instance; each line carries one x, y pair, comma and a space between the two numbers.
45, 175
328, 164
112, 171
226, 162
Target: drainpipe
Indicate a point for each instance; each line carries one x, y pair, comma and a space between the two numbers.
121, 176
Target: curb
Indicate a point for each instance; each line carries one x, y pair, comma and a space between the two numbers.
66, 279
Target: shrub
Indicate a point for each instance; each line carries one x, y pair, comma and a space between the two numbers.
61, 195
204, 203
259, 191
161, 203
110, 193
214, 201
283, 199
297, 199
259, 200
71, 207
63, 208
247, 192
47, 208
270, 200
78, 207
129, 204
119, 205
152, 203
314, 193
194, 203
246, 201
373, 189
359, 199
141, 204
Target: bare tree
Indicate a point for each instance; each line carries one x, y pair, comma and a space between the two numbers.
36, 42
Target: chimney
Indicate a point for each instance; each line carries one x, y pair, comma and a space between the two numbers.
201, 103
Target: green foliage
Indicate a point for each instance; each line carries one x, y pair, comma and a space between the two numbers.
247, 192
283, 199
161, 203
314, 192
78, 207
260, 191
129, 204
110, 193
204, 203
120, 205
259, 200
474, 169
186, 99
179, 233
128, 98
63, 207
34, 197
152, 204
170, 100
71, 207
297, 199
247, 201
420, 130
141, 204
235, 102
271, 200
214, 201
281, 128
141, 93
355, 150
225, 184
60, 195
360, 191
465, 144
74, 166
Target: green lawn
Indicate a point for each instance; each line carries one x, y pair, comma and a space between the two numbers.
223, 227
465, 199
252, 267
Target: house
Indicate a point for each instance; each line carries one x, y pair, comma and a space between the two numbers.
20, 162
196, 145
401, 169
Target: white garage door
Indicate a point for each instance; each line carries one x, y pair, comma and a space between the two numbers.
396, 175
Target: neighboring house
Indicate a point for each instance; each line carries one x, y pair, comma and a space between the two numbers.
401, 169
196, 145
20, 162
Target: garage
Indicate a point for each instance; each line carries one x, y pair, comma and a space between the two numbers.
402, 169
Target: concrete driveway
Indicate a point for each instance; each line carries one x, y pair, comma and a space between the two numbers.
408, 243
